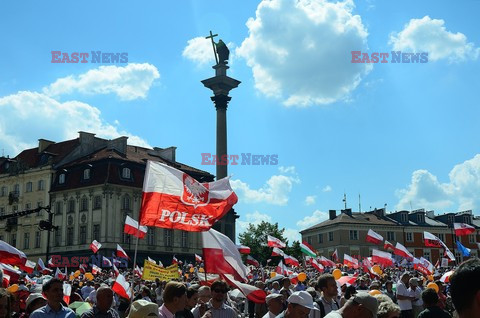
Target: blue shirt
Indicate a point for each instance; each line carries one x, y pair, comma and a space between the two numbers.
47, 312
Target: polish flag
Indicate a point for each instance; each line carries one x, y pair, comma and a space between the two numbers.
326, 262
431, 240
115, 270
28, 267
383, 258
138, 271
388, 246
121, 253
277, 252
281, 268
50, 263
290, 260
349, 280
374, 237
350, 261
67, 291
335, 255
423, 265
198, 258
275, 242
12, 272
151, 260
172, 199
401, 250
462, 229
106, 262
221, 256
252, 261
95, 269
316, 265
446, 277
5, 281
174, 260
42, 269
60, 275
131, 227
254, 294
10, 255
95, 246
29, 280
82, 268
121, 287
243, 249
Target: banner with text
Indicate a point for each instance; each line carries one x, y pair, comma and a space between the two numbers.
152, 271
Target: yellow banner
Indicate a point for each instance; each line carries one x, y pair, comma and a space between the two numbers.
152, 271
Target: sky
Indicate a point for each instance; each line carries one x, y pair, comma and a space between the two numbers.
404, 135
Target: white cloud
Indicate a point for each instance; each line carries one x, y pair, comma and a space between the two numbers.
48, 118
327, 188
310, 199
300, 51
292, 235
128, 82
460, 193
199, 50
289, 169
317, 217
275, 191
254, 218
430, 35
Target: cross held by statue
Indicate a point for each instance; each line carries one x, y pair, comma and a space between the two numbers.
211, 36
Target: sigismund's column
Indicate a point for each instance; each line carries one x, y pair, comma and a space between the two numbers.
221, 85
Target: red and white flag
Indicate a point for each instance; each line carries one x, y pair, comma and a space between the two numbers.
174, 260
11, 255
335, 256
95, 246
401, 250
151, 260
28, 267
67, 291
121, 253
290, 260
138, 271
121, 287
388, 246
374, 237
172, 199
131, 227
431, 240
82, 268
96, 269
462, 229
252, 261
254, 294
316, 265
198, 258
243, 249
350, 261
221, 256
274, 242
106, 262
446, 277
326, 262
383, 258
281, 268
60, 275
42, 269
115, 270
50, 263
277, 252
12, 272
5, 281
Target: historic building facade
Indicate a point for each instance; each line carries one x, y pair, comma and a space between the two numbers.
347, 232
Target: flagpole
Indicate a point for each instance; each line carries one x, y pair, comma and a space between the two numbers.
134, 261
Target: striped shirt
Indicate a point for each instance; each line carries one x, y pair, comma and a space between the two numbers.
224, 311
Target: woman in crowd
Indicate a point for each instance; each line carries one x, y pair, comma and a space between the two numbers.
192, 298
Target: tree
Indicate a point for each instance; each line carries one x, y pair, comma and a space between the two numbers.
255, 237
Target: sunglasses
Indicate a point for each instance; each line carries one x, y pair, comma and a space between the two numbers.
220, 291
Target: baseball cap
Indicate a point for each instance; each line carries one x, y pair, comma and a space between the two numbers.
142, 308
273, 296
32, 297
413, 281
301, 298
367, 301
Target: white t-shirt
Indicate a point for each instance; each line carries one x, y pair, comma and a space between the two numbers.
417, 293
404, 291
333, 314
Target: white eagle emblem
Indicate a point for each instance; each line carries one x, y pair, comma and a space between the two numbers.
194, 193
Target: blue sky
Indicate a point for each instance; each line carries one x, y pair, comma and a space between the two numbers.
405, 135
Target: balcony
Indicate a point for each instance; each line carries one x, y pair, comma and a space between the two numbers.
11, 224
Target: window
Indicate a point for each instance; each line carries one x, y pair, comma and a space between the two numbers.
16, 189
13, 240
39, 204
28, 187
471, 238
441, 236
309, 240
28, 206
97, 202
96, 232
84, 204
184, 239
320, 238
69, 236
86, 174
3, 192
420, 218
71, 206
61, 178
404, 217
126, 173
26, 241
58, 236
41, 185
330, 236
126, 202
353, 235
409, 236
83, 234
466, 219
2, 210
126, 238
168, 237
390, 236
15, 208
38, 239
451, 219
151, 236
426, 254
58, 207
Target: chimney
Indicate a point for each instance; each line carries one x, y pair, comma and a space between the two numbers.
347, 212
167, 153
43, 144
119, 144
332, 214
430, 214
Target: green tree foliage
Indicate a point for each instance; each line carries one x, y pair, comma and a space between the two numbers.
255, 237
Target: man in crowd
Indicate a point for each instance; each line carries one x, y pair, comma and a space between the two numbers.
404, 296
275, 305
102, 308
286, 286
417, 304
432, 310
299, 305
174, 299
216, 306
362, 305
204, 295
53, 291
327, 285
465, 289
87, 289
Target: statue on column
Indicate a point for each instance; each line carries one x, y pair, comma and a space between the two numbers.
222, 51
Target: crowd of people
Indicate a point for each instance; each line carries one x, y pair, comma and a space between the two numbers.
396, 293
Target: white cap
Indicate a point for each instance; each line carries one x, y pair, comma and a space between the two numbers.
273, 296
301, 298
